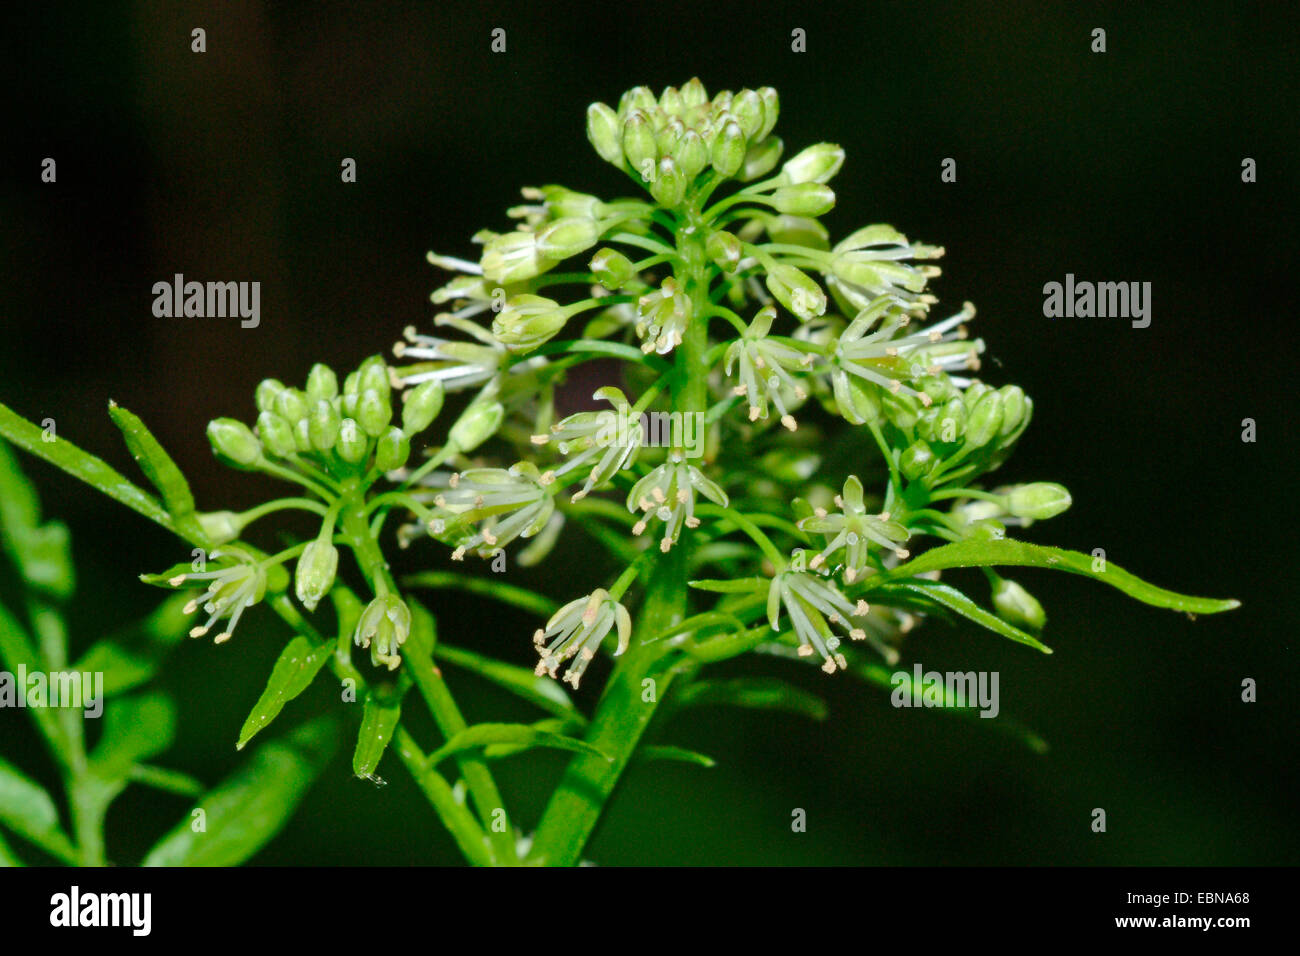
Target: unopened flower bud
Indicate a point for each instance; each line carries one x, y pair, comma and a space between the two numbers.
267, 390
985, 420
373, 412
567, 237
527, 322
603, 133
220, 526
796, 291
392, 450
761, 158
234, 441
669, 186
322, 383
816, 164
476, 425
916, 461
692, 154
639, 143
1018, 606
1014, 407
725, 250
351, 444
291, 405
373, 374
1038, 501
276, 434
748, 109
323, 426
804, 199
314, 576
728, 154
771, 109
421, 406
611, 268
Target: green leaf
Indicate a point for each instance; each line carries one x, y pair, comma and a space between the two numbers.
377, 724
681, 754
159, 468
541, 691
169, 781
16, 652
482, 735
731, 585
293, 673
132, 657
522, 598
755, 693
135, 729
250, 807
954, 600
1005, 552
41, 553
27, 810
93, 471
7, 856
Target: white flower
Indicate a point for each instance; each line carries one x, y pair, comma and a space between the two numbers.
662, 317
505, 503
813, 604
871, 262
608, 440
855, 531
231, 590
668, 494
457, 364
764, 368
577, 630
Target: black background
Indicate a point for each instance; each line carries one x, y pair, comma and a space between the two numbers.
1122, 166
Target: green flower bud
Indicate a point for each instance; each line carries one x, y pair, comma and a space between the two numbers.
276, 434
611, 268
220, 526
603, 133
667, 137
816, 164
748, 108
267, 390
512, 257
761, 158
771, 110
291, 405
796, 291
857, 401
1013, 408
323, 426
728, 154
373, 413
725, 250
314, 576
804, 199
392, 450
1038, 501
637, 98
421, 406
301, 435
476, 425
234, 441
986, 529
567, 237
670, 101
1018, 606
322, 383
373, 374
693, 93
916, 461
350, 383
351, 444
528, 321
951, 424
639, 144
692, 154
798, 231
985, 420
669, 187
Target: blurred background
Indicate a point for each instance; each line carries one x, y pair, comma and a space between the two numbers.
1122, 166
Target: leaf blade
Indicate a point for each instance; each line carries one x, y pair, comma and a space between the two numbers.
294, 670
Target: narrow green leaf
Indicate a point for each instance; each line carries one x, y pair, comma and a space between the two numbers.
481, 735
293, 673
132, 657
27, 810
731, 585
250, 807
158, 467
680, 754
954, 600
541, 691
41, 552
93, 471
971, 554
755, 693
135, 729
16, 652
377, 724
169, 781
522, 598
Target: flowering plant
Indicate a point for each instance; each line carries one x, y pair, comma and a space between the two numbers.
749, 345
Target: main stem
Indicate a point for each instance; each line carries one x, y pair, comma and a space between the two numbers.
640, 680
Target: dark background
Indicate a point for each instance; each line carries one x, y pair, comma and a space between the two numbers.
1121, 166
